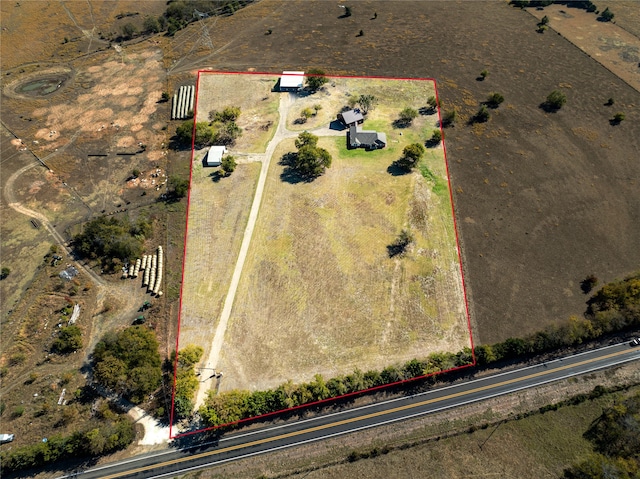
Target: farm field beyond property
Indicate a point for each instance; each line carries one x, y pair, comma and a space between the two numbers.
318, 291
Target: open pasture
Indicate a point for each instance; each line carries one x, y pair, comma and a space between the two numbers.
319, 292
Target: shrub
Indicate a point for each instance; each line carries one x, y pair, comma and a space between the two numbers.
228, 165
607, 15
69, 340
129, 30
618, 118
316, 78
5, 272
494, 100
484, 74
482, 115
449, 118
178, 187
555, 100
407, 116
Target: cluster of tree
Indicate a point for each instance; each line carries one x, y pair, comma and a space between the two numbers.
69, 340
221, 129
114, 432
180, 13
186, 379
236, 405
307, 113
109, 239
615, 436
315, 79
128, 362
584, 4
310, 161
615, 307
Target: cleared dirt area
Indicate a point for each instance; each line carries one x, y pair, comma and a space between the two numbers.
542, 199
606, 42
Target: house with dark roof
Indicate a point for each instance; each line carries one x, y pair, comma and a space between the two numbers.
367, 139
351, 117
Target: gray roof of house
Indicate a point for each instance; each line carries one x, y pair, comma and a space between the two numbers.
365, 137
352, 116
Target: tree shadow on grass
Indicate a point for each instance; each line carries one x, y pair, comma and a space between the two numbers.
548, 107
394, 170
216, 176
289, 174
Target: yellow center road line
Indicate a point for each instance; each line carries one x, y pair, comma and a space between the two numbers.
360, 418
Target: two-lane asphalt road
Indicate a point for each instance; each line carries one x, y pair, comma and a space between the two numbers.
241, 445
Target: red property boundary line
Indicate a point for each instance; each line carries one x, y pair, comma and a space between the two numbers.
184, 256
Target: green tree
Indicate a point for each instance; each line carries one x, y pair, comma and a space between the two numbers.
4, 272
618, 118
106, 238
432, 102
129, 30
544, 21
204, 133
128, 362
436, 137
555, 100
178, 187
306, 114
494, 100
482, 115
151, 25
230, 113
411, 155
69, 340
347, 11
407, 116
316, 78
607, 15
449, 118
311, 161
306, 139
367, 103
484, 74
228, 165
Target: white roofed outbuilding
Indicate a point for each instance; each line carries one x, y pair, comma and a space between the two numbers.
291, 81
214, 155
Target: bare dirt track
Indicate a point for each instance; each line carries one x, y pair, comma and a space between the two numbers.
541, 199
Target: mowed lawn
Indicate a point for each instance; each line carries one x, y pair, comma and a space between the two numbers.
218, 214
319, 293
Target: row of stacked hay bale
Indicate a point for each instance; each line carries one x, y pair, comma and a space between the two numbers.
152, 265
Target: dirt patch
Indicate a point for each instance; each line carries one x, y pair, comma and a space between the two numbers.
605, 42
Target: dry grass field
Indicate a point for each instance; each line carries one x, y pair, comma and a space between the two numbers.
257, 103
218, 213
542, 199
319, 293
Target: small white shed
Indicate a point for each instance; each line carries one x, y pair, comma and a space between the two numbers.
214, 155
